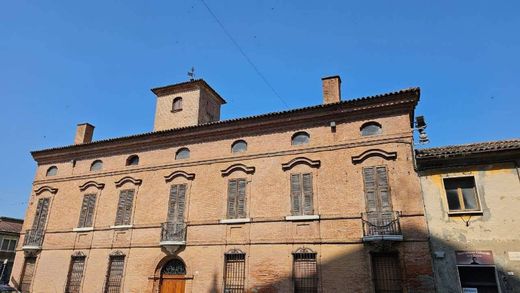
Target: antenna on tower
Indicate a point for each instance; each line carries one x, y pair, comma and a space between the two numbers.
191, 74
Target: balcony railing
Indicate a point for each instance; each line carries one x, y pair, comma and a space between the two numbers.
173, 233
381, 226
33, 239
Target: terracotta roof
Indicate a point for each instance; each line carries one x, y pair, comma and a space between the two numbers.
10, 225
467, 149
356, 101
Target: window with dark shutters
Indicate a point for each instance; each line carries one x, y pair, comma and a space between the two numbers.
124, 208
301, 194
87, 210
377, 193
41, 215
176, 206
236, 199
75, 274
115, 274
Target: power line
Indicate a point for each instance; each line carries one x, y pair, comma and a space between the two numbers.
244, 53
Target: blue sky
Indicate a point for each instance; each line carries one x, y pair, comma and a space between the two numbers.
65, 62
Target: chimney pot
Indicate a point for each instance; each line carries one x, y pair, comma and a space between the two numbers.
84, 133
331, 89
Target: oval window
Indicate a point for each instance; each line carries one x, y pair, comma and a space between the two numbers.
300, 138
132, 160
239, 146
96, 165
371, 128
183, 153
52, 171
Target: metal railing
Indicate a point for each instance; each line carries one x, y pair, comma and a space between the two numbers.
33, 238
171, 231
381, 223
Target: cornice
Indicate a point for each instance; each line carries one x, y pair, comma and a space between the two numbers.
352, 110
237, 167
374, 152
127, 179
46, 188
173, 175
91, 183
301, 160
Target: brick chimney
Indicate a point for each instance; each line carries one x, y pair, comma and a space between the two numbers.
331, 89
84, 133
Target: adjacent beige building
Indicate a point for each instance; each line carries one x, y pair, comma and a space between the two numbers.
317, 199
472, 199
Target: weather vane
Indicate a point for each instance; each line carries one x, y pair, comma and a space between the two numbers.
191, 74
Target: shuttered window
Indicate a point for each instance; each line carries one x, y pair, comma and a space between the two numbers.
236, 199
28, 273
124, 208
377, 193
234, 272
115, 274
75, 276
41, 214
176, 205
87, 210
387, 273
305, 272
301, 194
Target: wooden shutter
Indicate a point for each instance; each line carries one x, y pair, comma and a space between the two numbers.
124, 208
40, 216
36, 221
87, 210
115, 274
232, 198
181, 203
296, 194
28, 273
241, 200
369, 178
307, 194
382, 188
173, 201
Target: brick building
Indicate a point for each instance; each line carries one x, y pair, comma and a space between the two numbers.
317, 199
471, 196
9, 233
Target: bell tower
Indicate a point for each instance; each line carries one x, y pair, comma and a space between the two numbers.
186, 104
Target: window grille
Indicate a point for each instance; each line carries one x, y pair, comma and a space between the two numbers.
234, 272
305, 273
28, 273
174, 267
75, 274
115, 274
386, 273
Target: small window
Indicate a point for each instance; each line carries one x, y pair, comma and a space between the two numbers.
371, 128
183, 153
8, 245
177, 104
300, 138
461, 194
52, 171
236, 205
96, 165
132, 160
301, 194
75, 276
305, 271
114, 276
124, 208
239, 146
386, 272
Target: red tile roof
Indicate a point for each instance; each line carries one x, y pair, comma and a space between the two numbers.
467, 149
10, 225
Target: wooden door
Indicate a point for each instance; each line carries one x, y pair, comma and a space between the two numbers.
172, 284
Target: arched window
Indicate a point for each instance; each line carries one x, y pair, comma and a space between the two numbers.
133, 160
96, 165
174, 267
52, 171
305, 271
371, 128
183, 153
239, 146
177, 104
300, 138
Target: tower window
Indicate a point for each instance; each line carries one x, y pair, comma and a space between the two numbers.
177, 104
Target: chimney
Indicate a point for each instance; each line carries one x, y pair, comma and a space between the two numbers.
331, 89
84, 133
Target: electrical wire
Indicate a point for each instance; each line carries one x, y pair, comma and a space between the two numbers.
243, 53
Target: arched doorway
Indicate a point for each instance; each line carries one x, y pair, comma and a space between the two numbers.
173, 276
